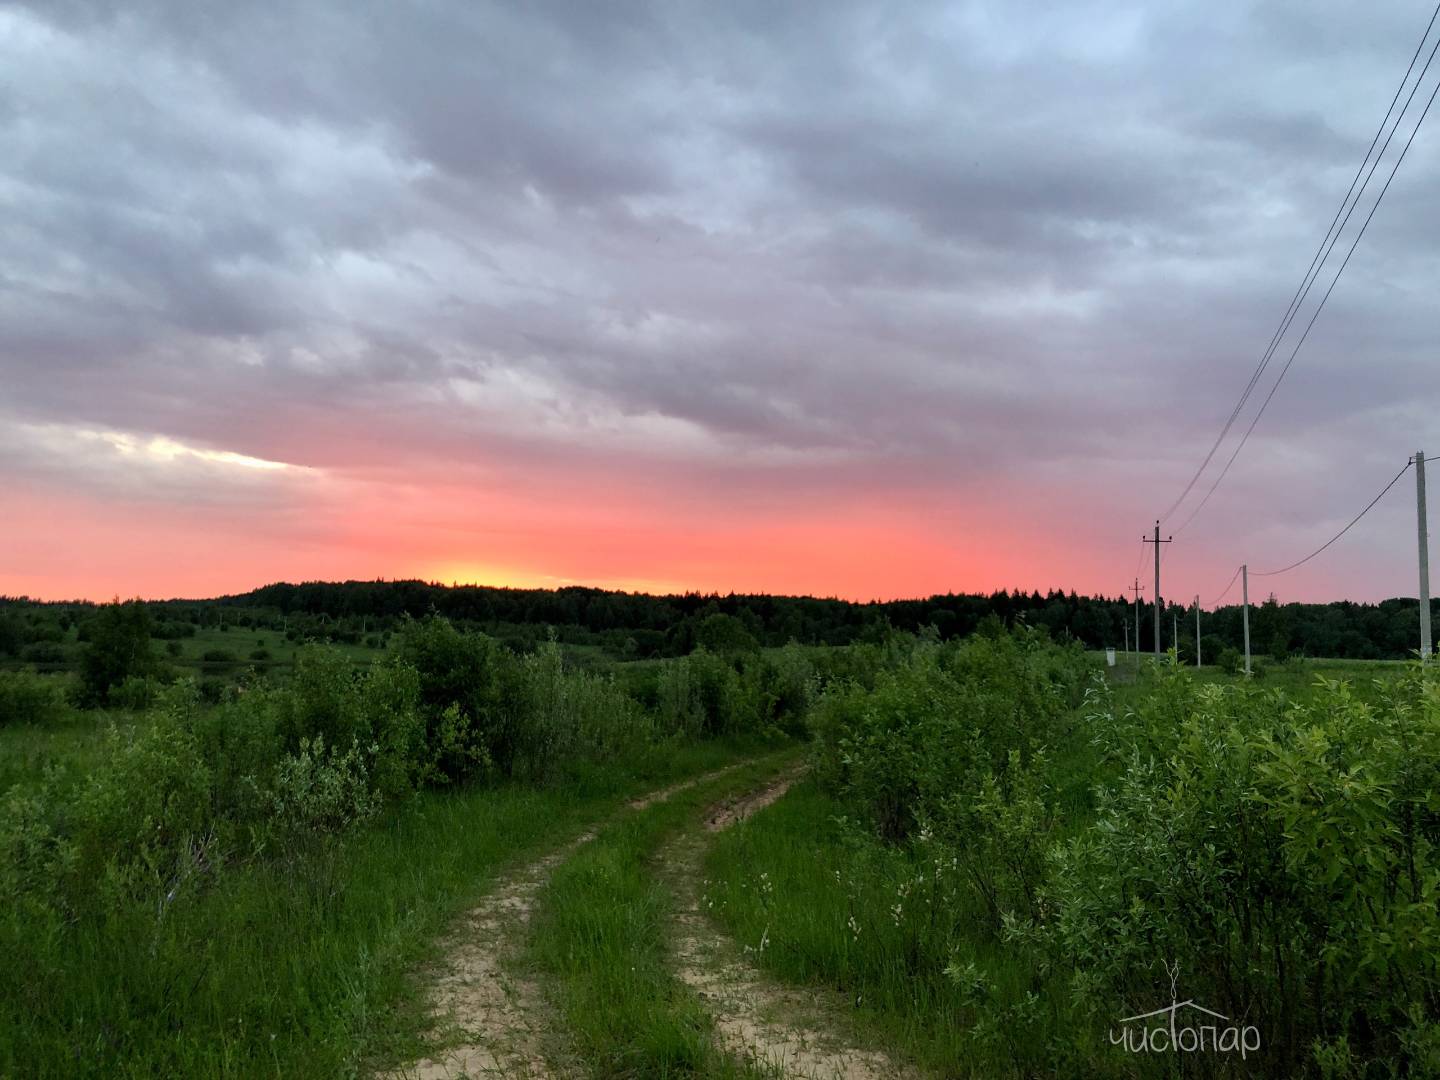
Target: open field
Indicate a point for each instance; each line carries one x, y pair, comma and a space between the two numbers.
907, 858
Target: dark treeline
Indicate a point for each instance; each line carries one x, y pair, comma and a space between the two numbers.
640, 626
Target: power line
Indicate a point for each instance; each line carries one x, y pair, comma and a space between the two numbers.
1394, 480
1310, 325
1317, 263
1216, 601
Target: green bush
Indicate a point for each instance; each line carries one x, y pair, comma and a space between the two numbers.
136, 693
330, 701
926, 740
218, 656
571, 715
1284, 854
702, 695
141, 821
319, 791
212, 689
27, 698
44, 652
781, 689
470, 688
117, 649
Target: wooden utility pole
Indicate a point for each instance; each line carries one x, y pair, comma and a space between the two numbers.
1157, 542
1137, 589
1197, 630
1245, 601
1424, 555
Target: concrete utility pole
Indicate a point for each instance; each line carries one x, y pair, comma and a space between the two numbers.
1157, 542
1197, 630
1124, 622
1137, 589
1245, 600
1424, 555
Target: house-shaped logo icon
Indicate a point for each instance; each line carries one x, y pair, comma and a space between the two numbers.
1183, 1027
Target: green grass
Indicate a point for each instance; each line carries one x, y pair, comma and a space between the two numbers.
599, 935
298, 968
1295, 677
242, 641
70, 748
825, 896
1304, 668
881, 925
826, 908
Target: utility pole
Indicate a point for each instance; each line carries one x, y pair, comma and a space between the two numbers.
1175, 634
1424, 556
1197, 630
1137, 589
1245, 601
1157, 542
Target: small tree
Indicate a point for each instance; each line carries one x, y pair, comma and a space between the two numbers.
118, 649
726, 636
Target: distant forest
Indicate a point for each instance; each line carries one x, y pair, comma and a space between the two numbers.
642, 626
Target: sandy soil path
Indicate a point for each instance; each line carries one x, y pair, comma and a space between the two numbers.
495, 1012
790, 1031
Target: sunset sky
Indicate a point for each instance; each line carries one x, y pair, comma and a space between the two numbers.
854, 299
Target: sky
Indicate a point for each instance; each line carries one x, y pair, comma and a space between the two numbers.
854, 299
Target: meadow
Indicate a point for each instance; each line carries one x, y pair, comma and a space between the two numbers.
998, 850
1001, 854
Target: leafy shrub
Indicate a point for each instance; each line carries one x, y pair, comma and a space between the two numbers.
677, 702
260, 655
920, 745
725, 635
136, 820
1283, 853
118, 648
319, 790
35, 856
781, 689
136, 693
43, 652
218, 656
211, 689
173, 648
574, 714
469, 689
27, 698
328, 700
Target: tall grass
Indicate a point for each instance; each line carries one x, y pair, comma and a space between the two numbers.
996, 882
879, 922
600, 936
287, 967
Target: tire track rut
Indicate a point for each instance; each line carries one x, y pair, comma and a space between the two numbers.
482, 995
789, 1031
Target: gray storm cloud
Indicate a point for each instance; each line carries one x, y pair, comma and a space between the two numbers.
778, 247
